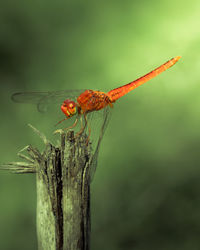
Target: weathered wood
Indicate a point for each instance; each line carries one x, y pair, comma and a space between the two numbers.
63, 191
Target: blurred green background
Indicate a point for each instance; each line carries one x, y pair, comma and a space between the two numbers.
145, 194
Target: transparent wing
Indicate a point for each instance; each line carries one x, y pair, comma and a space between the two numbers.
44, 99
98, 122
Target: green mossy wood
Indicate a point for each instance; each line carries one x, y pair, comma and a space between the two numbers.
63, 191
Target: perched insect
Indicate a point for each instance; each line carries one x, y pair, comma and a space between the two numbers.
86, 101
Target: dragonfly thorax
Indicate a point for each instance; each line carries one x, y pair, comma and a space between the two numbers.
69, 108
91, 100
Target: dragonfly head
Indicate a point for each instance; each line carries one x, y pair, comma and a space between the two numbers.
69, 108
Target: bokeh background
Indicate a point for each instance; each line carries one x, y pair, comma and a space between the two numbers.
145, 194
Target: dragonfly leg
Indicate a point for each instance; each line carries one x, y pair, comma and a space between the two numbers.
61, 121
73, 125
111, 105
89, 130
61, 130
82, 126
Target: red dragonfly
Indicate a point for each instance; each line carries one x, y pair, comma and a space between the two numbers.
89, 100
84, 102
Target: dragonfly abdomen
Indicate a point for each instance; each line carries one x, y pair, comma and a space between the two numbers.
121, 91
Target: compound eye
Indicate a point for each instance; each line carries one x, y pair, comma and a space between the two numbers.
71, 105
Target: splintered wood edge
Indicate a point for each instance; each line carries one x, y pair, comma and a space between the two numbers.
31, 160
40, 134
24, 167
33, 157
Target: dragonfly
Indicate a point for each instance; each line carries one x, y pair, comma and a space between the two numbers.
81, 103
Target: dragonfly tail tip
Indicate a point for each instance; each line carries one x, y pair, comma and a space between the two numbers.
177, 58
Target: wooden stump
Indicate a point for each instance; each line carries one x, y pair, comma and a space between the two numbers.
63, 191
